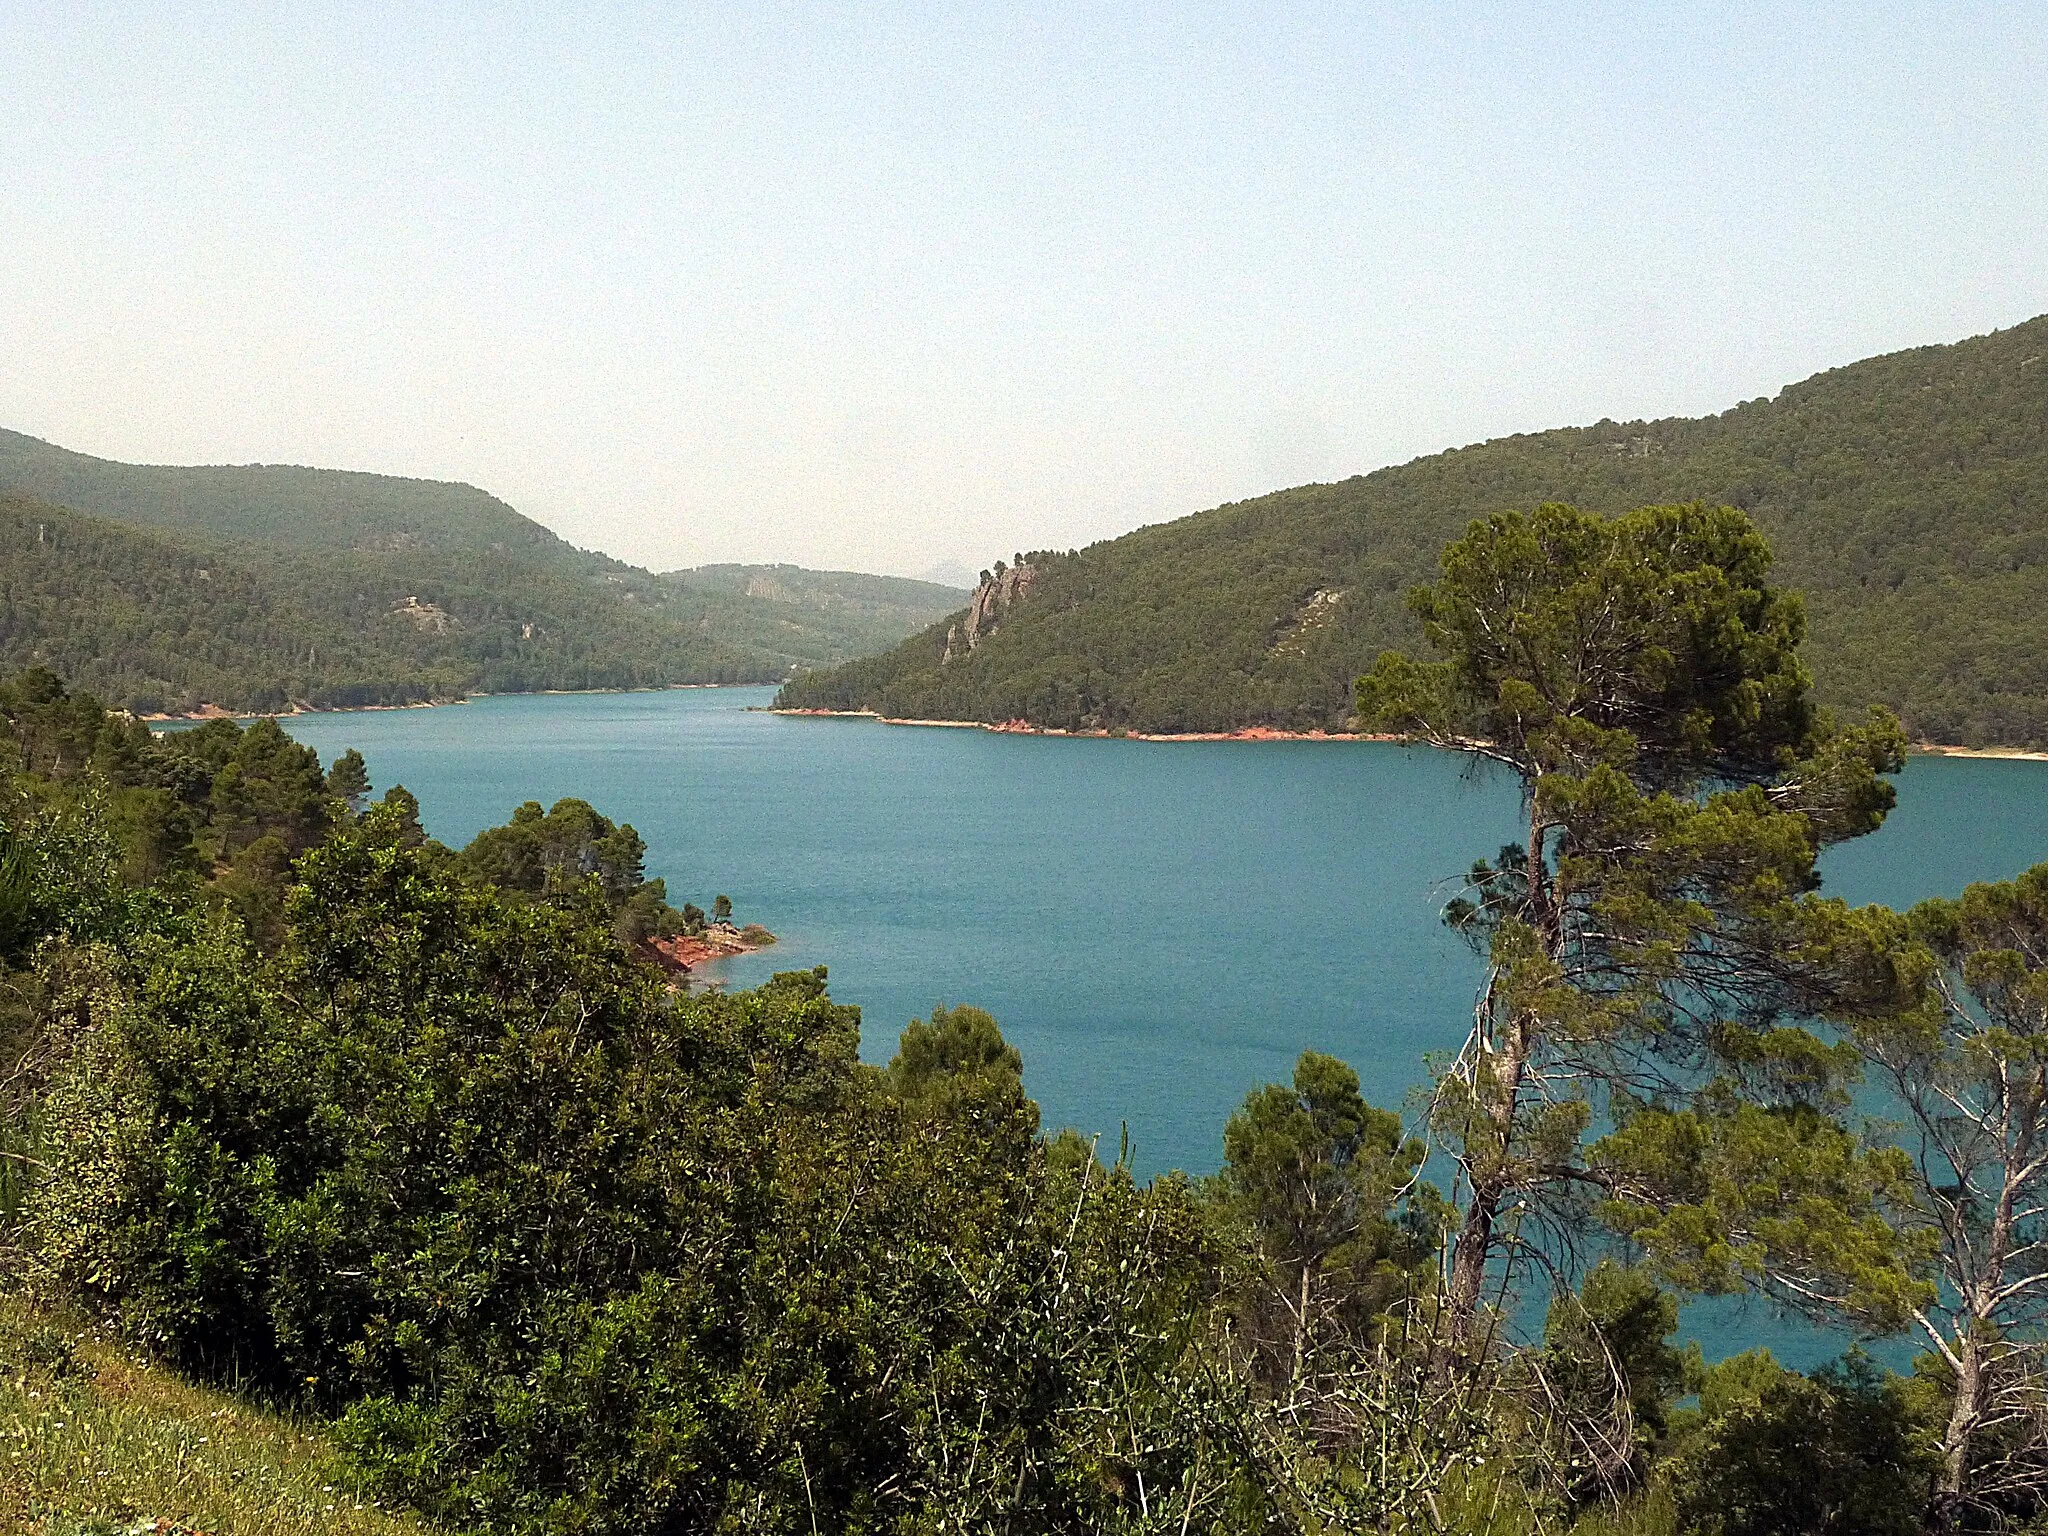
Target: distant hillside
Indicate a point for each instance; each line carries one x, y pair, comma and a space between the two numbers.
157, 625
153, 624
278, 504
1907, 495
329, 588
850, 592
800, 617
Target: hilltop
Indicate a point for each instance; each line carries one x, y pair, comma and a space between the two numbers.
286, 506
260, 587
1907, 495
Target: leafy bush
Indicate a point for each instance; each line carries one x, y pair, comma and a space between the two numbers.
1771, 1451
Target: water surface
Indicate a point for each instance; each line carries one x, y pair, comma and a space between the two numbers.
1159, 927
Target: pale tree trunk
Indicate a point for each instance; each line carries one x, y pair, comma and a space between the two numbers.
1497, 1084
1301, 1323
1964, 1416
1979, 1295
1492, 1180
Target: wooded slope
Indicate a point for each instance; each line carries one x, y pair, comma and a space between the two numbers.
1907, 495
328, 589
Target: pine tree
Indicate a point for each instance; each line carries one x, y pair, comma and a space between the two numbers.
1640, 676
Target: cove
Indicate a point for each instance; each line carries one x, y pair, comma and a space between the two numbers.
1158, 926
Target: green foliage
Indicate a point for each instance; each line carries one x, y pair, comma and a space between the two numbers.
348, 780
409, 1140
1608, 1375
1904, 495
570, 1252
1963, 1056
569, 851
1770, 1451
1326, 1188
268, 587
313, 509
1729, 1195
161, 627
1649, 642
60, 875
553, 853
1620, 1324
1659, 926
166, 627
61, 893
959, 1063
262, 784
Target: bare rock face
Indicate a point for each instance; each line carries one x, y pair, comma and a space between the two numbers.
430, 617
997, 591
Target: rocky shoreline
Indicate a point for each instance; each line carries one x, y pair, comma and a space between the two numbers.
1022, 727
684, 952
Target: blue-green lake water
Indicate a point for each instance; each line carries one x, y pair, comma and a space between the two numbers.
1159, 926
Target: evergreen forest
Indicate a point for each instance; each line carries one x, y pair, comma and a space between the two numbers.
1906, 497
263, 588
414, 1150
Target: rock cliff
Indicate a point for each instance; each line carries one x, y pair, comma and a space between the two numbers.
996, 592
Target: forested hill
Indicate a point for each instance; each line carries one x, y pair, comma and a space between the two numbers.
284, 505
1906, 494
262, 587
161, 625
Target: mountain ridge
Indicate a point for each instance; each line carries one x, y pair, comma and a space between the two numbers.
1906, 495
294, 506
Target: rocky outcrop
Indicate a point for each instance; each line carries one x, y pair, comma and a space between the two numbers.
997, 592
683, 952
1314, 614
427, 617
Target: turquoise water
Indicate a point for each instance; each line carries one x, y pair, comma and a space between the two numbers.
1159, 926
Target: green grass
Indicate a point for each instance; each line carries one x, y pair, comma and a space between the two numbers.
94, 1442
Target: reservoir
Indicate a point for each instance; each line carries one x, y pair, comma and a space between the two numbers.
1158, 926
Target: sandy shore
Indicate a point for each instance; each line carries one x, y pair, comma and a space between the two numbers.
2017, 754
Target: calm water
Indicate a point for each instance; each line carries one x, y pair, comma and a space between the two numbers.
1159, 927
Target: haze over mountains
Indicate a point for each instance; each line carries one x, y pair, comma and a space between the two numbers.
262, 587
1906, 495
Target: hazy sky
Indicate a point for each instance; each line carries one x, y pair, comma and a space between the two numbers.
882, 286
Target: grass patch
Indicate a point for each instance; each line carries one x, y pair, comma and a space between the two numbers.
93, 1442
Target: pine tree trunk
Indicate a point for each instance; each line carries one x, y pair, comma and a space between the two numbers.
1963, 1417
1468, 1262
1492, 1172
1492, 1181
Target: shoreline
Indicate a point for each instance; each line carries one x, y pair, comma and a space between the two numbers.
215, 712
1272, 733
685, 952
1016, 727
2014, 754
1026, 728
